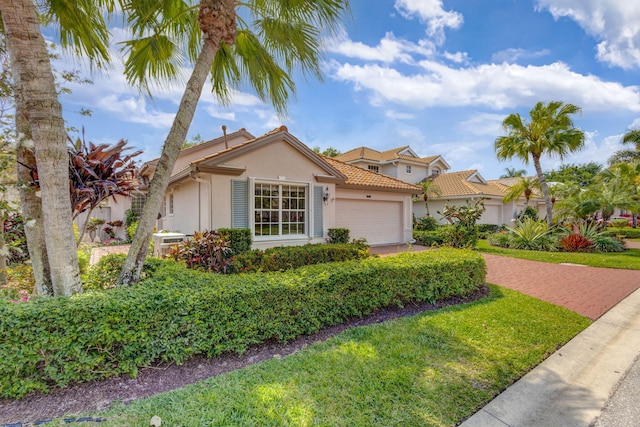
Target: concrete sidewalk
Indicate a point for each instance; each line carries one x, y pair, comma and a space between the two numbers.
572, 387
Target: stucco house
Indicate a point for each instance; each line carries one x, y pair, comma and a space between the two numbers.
456, 188
283, 191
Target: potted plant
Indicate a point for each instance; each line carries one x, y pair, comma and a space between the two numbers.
93, 225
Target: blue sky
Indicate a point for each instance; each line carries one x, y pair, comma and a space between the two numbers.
437, 75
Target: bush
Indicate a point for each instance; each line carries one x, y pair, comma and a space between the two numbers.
20, 283
131, 229
603, 243
16, 240
338, 235
288, 257
459, 236
178, 313
627, 232
427, 238
239, 239
105, 273
620, 223
576, 243
532, 235
426, 223
206, 250
502, 239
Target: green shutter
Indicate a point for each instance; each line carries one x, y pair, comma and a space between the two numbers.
239, 204
317, 211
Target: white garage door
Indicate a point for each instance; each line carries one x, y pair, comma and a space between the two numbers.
377, 221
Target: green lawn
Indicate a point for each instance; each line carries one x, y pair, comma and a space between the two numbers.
433, 369
629, 259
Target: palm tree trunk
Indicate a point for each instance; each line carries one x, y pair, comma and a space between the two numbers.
35, 85
135, 258
545, 190
31, 209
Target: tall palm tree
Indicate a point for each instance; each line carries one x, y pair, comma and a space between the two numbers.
631, 137
513, 173
525, 185
280, 37
429, 189
550, 131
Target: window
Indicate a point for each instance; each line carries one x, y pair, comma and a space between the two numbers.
170, 204
373, 168
280, 210
436, 172
408, 168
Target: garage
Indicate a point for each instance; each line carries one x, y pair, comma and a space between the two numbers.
380, 222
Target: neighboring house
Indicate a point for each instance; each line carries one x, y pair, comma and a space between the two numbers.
456, 188
402, 163
283, 191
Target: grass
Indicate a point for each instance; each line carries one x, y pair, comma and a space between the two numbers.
629, 259
433, 369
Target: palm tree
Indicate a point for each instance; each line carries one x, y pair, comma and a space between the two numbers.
631, 137
513, 173
550, 131
429, 189
524, 185
282, 36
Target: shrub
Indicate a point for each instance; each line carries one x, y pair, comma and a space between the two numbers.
501, 239
458, 235
530, 212
620, 223
177, 313
20, 283
490, 228
426, 223
288, 257
603, 243
427, 238
576, 243
105, 273
131, 229
239, 238
532, 235
338, 235
16, 240
206, 250
627, 232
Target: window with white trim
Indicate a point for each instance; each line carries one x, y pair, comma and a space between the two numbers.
374, 168
280, 209
408, 169
170, 204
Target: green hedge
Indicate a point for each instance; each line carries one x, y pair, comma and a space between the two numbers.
239, 238
177, 313
628, 232
428, 238
287, 257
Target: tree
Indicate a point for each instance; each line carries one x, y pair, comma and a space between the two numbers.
583, 174
550, 131
513, 173
631, 137
429, 189
282, 36
329, 151
524, 185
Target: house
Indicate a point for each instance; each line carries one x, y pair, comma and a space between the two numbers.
456, 188
283, 191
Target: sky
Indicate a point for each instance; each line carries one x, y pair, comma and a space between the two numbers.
437, 75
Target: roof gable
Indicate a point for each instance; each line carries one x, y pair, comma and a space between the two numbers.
465, 183
363, 178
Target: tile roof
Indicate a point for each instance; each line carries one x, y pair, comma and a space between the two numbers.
364, 153
457, 184
359, 177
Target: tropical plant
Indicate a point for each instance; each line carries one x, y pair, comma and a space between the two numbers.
462, 231
603, 243
532, 235
206, 250
513, 173
429, 189
583, 174
262, 49
525, 185
550, 131
632, 137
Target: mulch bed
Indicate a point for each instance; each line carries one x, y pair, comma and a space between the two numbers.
99, 395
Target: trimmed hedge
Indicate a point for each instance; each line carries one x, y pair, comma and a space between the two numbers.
428, 238
287, 257
177, 313
627, 232
239, 238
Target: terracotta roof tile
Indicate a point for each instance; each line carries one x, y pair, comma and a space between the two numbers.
457, 184
365, 178
364, 153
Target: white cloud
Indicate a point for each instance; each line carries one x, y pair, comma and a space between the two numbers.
134, 110
483, 124
215, 112
594, 150
513, 55
496, 86
615, 23
400, 116
390, 49
458, 57
432, 12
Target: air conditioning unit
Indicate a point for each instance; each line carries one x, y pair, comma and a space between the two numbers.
163, 241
